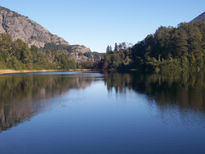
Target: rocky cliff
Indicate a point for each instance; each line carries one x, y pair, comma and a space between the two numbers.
21, 27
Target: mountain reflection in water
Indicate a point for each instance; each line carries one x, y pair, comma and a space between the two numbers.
23, 96
86, 112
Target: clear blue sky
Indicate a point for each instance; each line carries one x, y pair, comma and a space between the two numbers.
98, 23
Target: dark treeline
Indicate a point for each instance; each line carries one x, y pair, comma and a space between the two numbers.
18, 55
169, 50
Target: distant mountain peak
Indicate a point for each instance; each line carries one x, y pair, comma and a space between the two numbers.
201, 17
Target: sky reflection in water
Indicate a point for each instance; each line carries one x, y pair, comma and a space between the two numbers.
100, 113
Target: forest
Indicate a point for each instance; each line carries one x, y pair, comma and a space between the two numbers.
169, 50
18, 55
186, 92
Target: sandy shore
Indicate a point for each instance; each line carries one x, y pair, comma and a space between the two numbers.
8, 71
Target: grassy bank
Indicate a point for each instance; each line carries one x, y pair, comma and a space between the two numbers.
10, 71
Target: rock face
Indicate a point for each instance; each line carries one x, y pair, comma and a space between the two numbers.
201, 17
83, 54
21, 27
79, 53
79, 48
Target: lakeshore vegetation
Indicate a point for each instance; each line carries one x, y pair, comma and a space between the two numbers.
19, 56
169, 50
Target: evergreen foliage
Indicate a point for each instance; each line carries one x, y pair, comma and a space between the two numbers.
18, 55
170, 50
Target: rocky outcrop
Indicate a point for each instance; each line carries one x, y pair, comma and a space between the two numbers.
78, 48
21, 27
81, 53
78, 52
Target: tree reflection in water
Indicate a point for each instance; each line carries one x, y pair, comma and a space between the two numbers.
184, 91
23, 96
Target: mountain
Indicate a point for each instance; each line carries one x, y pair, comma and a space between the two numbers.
21, 27
201, 17
78, 52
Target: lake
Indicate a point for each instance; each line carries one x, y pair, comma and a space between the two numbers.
90, 112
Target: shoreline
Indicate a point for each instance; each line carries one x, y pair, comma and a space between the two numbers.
10, 71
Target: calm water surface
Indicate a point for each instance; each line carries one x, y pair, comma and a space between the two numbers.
89, 112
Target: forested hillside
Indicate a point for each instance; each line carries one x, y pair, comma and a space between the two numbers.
168, 50
18, 55
21, 27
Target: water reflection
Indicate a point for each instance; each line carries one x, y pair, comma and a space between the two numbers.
165, 114
22, 96
187, 92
